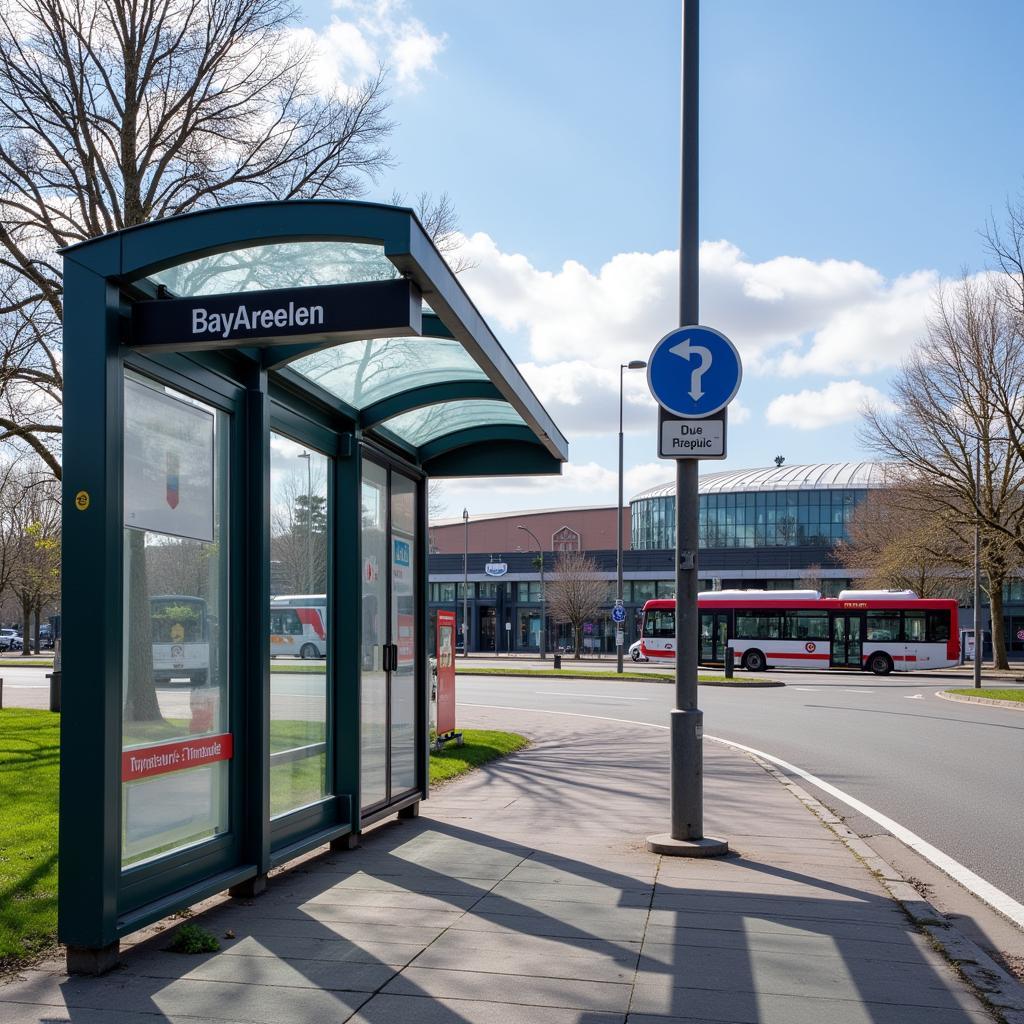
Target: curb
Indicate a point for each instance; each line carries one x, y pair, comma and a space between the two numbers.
999, 990
1010, 705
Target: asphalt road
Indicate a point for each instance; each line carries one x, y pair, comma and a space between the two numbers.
953, 773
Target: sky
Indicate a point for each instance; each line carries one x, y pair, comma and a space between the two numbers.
851, 155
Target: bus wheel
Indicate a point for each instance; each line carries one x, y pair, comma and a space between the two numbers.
754, 661
308, 651
880, 664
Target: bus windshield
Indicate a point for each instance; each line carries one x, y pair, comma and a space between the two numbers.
178, 620
660, 622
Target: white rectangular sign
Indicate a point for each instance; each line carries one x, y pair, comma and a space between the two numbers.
168, 464
692, 439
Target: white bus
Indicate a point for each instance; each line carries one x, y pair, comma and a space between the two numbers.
181, 640
298, 625
876, 630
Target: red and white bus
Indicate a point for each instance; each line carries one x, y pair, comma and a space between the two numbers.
298, 625
876, 630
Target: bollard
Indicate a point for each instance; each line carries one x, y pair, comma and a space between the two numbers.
730, 662
1, 693
54, 678
558, 661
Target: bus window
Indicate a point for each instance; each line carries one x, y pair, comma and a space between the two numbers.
751, 626
806, 626
660, 622
285, 622
938, 626
913, 627
883, 626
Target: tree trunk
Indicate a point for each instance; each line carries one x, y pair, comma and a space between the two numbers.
577, 640
26, 627
995, 605
35, 636
141, 704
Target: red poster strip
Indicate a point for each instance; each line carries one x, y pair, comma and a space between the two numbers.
175, 757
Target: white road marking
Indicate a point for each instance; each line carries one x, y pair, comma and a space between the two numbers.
600, 696
913, 696
806, 689
974, 883
857, 691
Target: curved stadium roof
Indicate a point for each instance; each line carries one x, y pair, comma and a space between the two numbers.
818, 477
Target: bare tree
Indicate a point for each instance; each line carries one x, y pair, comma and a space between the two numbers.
576, 592
901, 544
298, 531
115, 113
32, 505
811, 578
955, 395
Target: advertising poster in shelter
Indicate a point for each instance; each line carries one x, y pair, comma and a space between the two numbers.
445, 672
168, 463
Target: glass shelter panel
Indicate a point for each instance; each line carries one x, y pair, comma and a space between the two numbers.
299, 517
422, 425
374, 634
176, 728
363, 372
403, 633
280, 265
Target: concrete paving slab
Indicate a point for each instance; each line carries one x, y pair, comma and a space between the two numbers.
393, 954
546, 964
391, 1009
513, 990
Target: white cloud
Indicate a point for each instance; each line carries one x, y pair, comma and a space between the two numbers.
838, 402
788, 316
365, 34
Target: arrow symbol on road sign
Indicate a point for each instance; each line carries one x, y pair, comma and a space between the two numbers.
684, 350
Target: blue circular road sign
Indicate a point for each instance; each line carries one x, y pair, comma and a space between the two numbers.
618, 613
694, 372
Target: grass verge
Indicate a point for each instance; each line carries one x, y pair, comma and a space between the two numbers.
29, 769
26, 662
629, 677
992, 693
478, 747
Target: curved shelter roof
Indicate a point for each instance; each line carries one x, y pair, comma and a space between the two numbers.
428, 377
818, 477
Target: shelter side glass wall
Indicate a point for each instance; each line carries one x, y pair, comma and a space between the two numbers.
175, 652
280, 265
373, 610
752, 519
299, 518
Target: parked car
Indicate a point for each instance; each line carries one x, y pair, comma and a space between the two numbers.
635, 653
9, 640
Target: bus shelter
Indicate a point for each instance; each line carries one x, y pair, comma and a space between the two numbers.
255, 397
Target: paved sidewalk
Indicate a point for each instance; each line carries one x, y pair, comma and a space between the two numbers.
525, 895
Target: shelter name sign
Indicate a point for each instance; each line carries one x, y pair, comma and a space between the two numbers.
364, 309
249, 318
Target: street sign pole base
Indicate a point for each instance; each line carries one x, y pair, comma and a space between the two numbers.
665, 844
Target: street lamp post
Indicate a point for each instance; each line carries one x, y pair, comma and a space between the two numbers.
979, 645
633, 364
309, 519
465, 588
543, 602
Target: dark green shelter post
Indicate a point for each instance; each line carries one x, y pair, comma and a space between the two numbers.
255, 398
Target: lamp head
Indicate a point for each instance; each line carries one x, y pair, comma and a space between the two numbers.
636, 364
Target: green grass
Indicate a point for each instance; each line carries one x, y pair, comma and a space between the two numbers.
992, 692
632, 677
478, 747
27, 662
29, 771
190, 938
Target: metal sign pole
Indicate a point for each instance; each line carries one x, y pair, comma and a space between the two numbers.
687, 721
